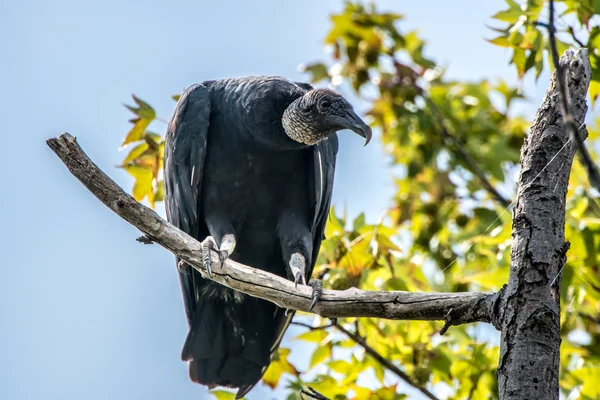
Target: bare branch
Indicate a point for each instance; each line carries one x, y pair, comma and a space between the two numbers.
312, 393
575, 130
310, 327
572, 32
529, 309
384, 361
452, 140
360, 341
463, 153
258, 283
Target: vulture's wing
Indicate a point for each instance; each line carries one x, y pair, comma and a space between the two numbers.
185, 151
321, 174
324, 154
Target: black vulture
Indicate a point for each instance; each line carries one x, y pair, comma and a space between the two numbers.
248, 168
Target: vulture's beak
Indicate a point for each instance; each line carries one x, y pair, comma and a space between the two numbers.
354, 123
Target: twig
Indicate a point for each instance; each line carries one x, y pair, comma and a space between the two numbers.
449, 137
310, 327
312, 393
565, 106
572, 32
384, 361
464, 154
333, 303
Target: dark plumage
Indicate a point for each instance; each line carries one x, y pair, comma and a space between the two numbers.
249, 162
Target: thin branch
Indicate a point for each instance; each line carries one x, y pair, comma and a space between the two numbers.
452, 139
360, 341
572, 128
464, 154
312, 393
572, 32
255, 282
310, 327
384, 361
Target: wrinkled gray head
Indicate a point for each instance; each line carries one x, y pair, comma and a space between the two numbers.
317, 114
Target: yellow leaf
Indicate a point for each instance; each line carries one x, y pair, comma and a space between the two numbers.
320, 354
223, 395
279, 366
315, 336
135, 153
143, 180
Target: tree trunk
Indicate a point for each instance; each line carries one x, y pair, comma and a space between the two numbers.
529, 312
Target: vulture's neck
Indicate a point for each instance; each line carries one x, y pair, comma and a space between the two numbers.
296, 126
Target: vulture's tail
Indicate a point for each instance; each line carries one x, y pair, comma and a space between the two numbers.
230, 339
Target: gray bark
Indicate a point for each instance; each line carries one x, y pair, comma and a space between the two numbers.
529, 312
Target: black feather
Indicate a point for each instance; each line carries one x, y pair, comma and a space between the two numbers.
229, 166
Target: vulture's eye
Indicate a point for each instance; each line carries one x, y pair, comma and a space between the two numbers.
325, 104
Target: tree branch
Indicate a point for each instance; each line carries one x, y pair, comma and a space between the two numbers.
451, 139
463, 153
383, 361
565, 108
255, 282
529, 309
360, 341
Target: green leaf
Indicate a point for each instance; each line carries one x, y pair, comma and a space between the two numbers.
359, 222
501, 41
317, 71
159, 194
519, 60
511, 16
145, 115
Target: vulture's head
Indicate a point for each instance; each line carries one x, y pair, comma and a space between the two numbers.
319, 113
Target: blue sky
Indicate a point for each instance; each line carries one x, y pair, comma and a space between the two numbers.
86, 311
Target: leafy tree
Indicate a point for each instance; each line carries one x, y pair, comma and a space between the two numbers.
449, 228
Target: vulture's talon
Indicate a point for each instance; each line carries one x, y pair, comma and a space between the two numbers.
207, 245
223, 255
299, 278
317, 286
297, 268
227, 247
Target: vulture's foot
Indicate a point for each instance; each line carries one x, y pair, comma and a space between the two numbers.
227, 247
317, 286
298, 268
207, 245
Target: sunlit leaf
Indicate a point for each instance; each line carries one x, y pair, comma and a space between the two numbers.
279, 366
320, 354
144, 116
223, 395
